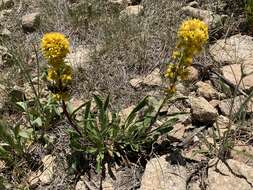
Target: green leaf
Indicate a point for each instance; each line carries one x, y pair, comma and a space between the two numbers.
26, 133
102, 112
78, 108
133, 114
22, 105
37, 121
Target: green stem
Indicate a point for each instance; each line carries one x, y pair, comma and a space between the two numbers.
66, 113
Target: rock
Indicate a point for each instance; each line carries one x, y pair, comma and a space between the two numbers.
136, 82
30, 22
5, 33
233, 74
107, 185
47, 174
222, 178
210, 18
79, 58
153, 79
193, 74
215, 103
2, 165
160, 174
225, 105
33, 180
207, 91
243, 153
221, 126
202, 111
233, 50
80, 185
6, 4
133, 10
125, 112
120, 2
177, 132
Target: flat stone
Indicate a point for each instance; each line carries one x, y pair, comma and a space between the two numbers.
233, 50
222, 178
233, 73
46, 176
136, 82
153, 79
160, 174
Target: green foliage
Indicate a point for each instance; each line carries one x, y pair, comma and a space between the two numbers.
13, 142
106, 136
41, 115
249, 11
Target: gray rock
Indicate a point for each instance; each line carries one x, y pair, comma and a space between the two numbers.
202, 111
30, 22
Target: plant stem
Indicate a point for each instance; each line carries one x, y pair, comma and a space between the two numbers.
66, 113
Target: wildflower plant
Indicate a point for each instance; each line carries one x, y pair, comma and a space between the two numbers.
192, 35
55, 48
101, 132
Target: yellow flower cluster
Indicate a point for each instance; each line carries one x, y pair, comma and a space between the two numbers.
55, 47
192, 35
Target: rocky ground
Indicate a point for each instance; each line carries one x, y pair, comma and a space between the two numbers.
121, 47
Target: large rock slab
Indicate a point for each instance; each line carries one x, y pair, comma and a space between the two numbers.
223, 179
160, 174
233, 73
232, 50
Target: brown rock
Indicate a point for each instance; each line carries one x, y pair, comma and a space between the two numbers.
222, 178
160, 174
233, 50
233, 73
225, 105
153, 79
207, 91
193, 74
201, 110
